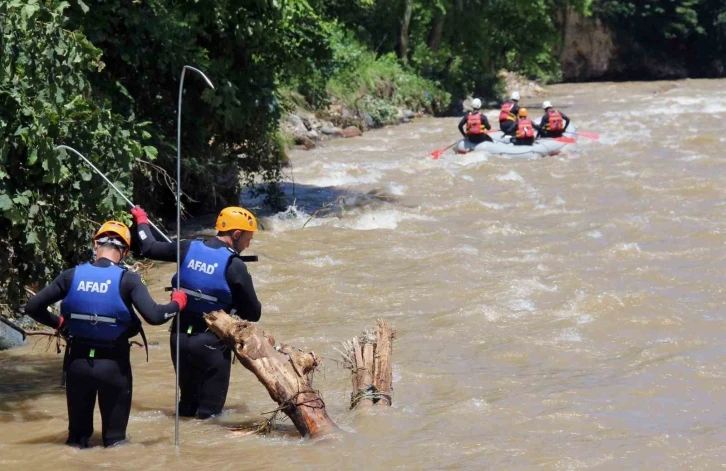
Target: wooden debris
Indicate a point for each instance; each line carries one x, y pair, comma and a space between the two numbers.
282, 369
368, 356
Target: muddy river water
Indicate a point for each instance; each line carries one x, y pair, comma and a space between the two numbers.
560, 313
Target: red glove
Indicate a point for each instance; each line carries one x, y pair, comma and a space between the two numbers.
60, 324
139, 215
180, 297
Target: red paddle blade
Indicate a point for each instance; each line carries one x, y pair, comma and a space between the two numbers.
589, 135
567, 140
437, 153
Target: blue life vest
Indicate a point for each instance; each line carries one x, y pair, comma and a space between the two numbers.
93, 309
203, 278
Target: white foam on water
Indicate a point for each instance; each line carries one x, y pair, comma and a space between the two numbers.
506, 229
396, 189
491, 313
290, 219
323, 174
326, 261
570, 334
495, 206
595, 234
466, 250
510, 176
693, 158
627, 247
519, 305
473, 405
465, 160
386, 219
373, 149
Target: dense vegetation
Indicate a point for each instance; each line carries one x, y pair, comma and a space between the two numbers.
689, 35
102, 76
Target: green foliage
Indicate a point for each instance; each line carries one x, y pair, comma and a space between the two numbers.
246, 47
50, 202
689, 34
378, 85
460, 44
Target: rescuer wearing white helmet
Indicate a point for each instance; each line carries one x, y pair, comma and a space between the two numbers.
476, 123
508, 115
553, 123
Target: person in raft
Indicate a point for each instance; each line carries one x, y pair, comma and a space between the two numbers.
215, 278
525, 130
97, 319
508, 115
553, 123
476, 123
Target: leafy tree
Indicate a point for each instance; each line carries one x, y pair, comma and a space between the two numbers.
50, 202
246, 47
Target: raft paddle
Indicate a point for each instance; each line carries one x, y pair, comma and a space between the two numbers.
566, 140
439, 152
589, 135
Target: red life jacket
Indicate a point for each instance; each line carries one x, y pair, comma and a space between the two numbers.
506, 113
525, 129
473, 124
555, 121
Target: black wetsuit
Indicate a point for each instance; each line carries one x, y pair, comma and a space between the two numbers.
108, 373
542, 131
206, 361
476, 138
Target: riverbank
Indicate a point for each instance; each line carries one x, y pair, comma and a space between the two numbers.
303, 127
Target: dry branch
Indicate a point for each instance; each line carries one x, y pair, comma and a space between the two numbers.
282, 369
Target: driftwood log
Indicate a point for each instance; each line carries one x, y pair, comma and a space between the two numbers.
282, 369
369, 358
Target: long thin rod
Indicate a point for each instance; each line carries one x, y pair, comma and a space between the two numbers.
178, 233
110, 183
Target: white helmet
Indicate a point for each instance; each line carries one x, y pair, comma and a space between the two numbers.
546, 104
515, 96
476, 103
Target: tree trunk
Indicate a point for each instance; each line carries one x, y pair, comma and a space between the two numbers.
403, 39
369, 358
437, 31
283, 370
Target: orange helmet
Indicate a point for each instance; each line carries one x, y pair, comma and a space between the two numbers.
522, 112
234, 217
117, 228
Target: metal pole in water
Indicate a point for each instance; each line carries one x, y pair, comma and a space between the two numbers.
178, 233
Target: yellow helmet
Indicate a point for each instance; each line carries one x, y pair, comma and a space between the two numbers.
234, 217
114, 227
523, 112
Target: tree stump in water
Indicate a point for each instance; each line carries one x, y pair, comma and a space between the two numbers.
369, 358
283, 370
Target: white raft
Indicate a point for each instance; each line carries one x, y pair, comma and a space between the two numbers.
502, 147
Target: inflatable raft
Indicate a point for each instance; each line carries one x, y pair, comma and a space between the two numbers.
502, 147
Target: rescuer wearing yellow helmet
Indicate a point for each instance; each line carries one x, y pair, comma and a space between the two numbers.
214, 277
97, 319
